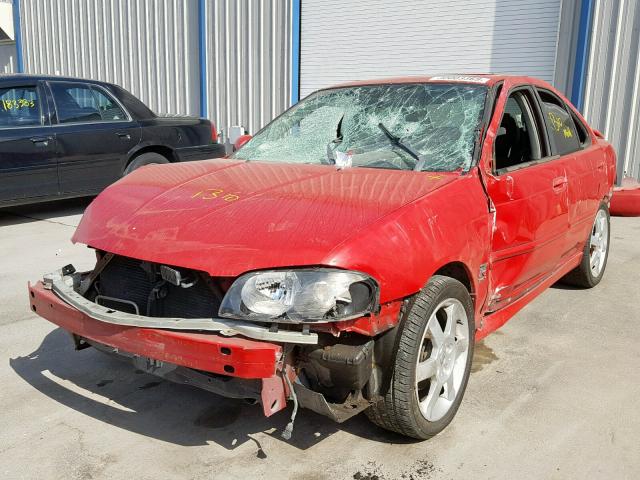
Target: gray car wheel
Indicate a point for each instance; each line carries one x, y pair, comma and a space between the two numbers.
595, 254
432, 363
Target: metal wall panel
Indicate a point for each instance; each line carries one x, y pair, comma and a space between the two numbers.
612, 92
7, 45
7, 58
147, 46
248, 61
360, 39
567, 46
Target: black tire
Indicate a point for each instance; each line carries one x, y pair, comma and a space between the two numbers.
398, 410
144, 159
583, 276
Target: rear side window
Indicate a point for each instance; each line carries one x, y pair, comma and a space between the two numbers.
109, 110
560, 127
19, 107
81, 103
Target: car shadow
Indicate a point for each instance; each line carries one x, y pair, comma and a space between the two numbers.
559, 285
114, 392
60, 211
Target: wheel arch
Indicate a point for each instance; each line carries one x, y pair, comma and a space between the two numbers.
163, 150
387, 342
458, 271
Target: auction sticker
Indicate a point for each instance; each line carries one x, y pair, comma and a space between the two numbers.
461, 78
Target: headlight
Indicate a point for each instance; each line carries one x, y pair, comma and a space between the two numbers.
296, 296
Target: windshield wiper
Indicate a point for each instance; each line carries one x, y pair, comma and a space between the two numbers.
335, 142
397, 142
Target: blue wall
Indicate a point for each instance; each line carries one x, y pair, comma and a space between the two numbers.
582, 53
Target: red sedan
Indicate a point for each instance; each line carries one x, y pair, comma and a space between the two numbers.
349, 255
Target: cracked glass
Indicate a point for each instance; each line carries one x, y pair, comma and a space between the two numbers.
428, 127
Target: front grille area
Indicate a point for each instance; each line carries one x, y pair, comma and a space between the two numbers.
126, 280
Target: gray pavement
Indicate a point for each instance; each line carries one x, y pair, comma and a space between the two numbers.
554, 393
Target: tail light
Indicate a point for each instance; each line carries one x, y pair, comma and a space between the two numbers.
214, 133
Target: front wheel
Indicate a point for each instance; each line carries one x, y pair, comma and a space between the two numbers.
595, 254
432, 364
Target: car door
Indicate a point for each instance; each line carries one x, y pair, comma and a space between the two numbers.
528, 190
582, 161
94, 136
28, 163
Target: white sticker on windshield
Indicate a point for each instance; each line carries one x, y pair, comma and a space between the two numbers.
343, 160
461, 78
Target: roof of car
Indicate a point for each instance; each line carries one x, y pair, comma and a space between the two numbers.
469, 78
28, 76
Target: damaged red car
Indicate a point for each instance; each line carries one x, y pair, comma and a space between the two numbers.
349, 255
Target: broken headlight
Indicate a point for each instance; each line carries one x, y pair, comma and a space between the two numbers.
296, 296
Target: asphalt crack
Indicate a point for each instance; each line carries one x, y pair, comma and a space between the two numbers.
55, 222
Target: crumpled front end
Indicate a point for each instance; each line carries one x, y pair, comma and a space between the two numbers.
164, 320
207, 361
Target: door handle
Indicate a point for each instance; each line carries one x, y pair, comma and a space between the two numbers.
41, 140
559, 184
123, 135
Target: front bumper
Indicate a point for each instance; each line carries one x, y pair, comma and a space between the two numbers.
209, 352
63, 288
242, 368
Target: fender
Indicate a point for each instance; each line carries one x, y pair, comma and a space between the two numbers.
450, 224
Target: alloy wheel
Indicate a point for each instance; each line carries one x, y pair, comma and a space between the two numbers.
598, 243
441, 363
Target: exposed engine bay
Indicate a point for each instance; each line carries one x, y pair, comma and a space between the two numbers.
153, 290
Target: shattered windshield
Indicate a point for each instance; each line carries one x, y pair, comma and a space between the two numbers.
397, 126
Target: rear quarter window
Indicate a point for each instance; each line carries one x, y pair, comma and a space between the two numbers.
583, 132
135, 107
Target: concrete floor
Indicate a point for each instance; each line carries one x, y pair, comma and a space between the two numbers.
554, 394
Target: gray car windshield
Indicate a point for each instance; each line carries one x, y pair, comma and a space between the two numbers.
426, 126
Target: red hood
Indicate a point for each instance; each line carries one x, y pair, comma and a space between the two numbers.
227, 216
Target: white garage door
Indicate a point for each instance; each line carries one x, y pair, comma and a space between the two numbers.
345, 40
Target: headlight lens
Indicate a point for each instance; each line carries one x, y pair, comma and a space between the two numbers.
296, 296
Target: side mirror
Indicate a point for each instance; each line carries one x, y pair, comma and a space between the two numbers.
240, 141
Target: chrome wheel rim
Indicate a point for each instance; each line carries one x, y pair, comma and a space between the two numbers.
598, 243
442, 359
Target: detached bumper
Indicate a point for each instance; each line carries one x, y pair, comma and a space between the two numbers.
232, 356
625, 201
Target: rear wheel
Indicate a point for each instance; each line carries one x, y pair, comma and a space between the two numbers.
144, 159
594, 256
432, 364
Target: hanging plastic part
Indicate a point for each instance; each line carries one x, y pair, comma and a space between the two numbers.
286, 433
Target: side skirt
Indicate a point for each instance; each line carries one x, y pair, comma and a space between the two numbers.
495, 320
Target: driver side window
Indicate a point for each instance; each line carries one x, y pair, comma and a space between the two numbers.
518, 140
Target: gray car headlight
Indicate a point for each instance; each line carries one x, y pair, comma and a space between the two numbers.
297, 296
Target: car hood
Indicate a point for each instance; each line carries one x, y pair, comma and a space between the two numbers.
226, 217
